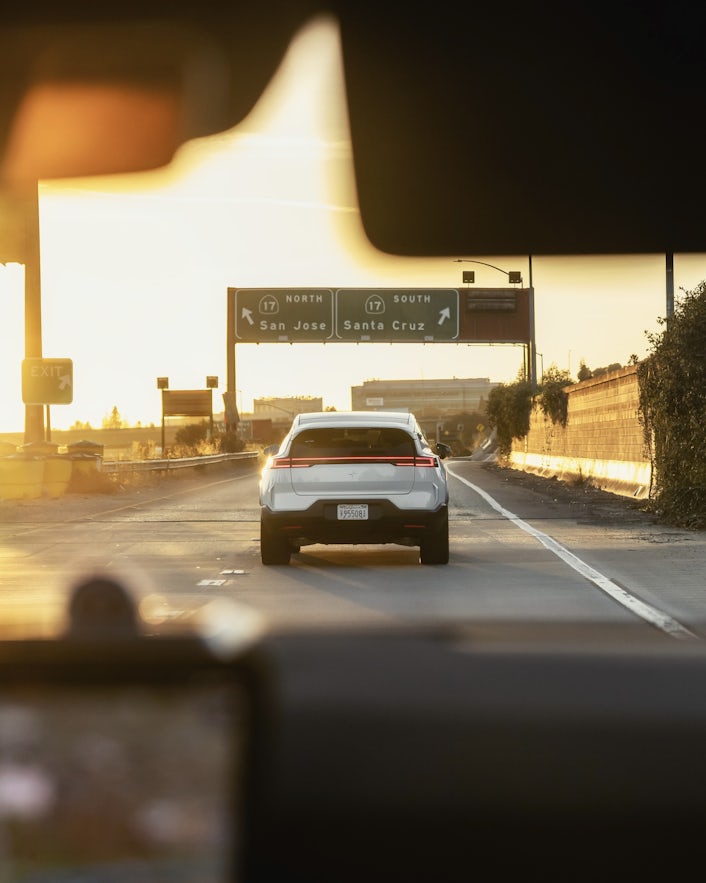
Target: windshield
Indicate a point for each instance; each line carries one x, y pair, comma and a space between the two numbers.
351, 440
187, 314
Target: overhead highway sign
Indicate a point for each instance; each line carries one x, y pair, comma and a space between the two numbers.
379, 315
418, 315
264, 315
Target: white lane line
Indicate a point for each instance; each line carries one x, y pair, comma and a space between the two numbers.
656, 617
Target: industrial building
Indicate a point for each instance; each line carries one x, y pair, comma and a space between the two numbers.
447, 409
434, 399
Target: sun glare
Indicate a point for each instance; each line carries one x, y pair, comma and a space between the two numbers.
135, 268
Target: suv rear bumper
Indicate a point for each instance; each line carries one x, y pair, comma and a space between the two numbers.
386, 523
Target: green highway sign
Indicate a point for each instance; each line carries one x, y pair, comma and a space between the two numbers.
285, 315
382, 315
47, 381
419, 315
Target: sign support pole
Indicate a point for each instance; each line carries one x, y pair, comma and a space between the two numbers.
532, 342
34, 416
231, 391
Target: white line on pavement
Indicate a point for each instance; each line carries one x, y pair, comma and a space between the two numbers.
656, 617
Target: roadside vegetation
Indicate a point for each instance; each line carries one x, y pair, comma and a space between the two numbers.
192, 440
672, 409
510, 405
672, 382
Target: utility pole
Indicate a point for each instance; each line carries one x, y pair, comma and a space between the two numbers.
230, 406
34, 414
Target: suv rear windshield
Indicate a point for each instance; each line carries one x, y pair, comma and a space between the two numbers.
353, 441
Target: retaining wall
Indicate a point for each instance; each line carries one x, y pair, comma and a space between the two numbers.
602, 440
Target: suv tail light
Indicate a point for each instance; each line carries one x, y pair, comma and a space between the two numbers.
298, 462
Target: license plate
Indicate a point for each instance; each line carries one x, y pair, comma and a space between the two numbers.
353, 512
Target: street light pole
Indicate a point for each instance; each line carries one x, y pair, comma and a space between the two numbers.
513, 276
532, 344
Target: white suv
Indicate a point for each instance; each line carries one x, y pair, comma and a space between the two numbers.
354, 477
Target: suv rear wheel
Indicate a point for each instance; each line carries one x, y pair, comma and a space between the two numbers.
434, 549
274, 549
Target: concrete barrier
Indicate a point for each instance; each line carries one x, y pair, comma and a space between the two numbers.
627, 478
29, 476
21, 477
57, 475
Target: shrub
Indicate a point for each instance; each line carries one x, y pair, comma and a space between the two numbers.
509, 407
229, 442
552, 398
672, 408
192, 434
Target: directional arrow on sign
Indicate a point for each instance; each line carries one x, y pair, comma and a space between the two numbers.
247, 315
444, 315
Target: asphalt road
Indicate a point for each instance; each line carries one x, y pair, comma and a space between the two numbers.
523, 549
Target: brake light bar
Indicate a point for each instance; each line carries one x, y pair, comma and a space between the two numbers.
302, 462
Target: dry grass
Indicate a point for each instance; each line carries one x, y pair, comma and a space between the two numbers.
91, 482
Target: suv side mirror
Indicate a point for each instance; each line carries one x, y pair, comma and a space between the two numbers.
443, 450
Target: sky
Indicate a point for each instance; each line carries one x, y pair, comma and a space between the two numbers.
135, 270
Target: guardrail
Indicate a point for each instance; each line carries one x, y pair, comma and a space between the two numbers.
168, 464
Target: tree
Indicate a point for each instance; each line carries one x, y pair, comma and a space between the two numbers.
551, 398
672, 407
509, 407
113, 420
614, 366
585, 372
